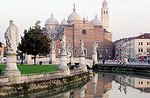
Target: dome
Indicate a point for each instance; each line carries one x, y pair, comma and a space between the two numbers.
74, 16
64, 22
52, 21
96, 21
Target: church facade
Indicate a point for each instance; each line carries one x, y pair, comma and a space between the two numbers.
77, 29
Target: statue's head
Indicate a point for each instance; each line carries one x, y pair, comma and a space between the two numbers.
11, 21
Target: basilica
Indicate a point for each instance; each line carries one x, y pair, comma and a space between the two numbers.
76, 29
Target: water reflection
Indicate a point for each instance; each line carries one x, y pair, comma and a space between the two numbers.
100, 85
141, 84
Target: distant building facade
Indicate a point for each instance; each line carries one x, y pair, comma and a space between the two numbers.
133, 47
76, 29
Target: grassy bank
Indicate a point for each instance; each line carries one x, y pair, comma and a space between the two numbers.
29, 69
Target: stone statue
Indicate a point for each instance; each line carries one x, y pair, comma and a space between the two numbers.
82, 48
69, 49
94, 47
12, 37
12, 41
63, 44
52, 46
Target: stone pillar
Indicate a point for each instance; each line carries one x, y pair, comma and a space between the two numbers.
11, 69
82, 64
82, 91
37, 59
63, 57
71, 58
53, 53
70, 53
94, 53
94, 58
125, 60
66, 95
28, 59
53, 57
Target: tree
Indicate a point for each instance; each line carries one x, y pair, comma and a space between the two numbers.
34, 41
0, 44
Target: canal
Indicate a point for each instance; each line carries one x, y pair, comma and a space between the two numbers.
100, 85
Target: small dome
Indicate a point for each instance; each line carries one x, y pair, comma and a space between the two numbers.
74, 16
64, 22
52, 21
96, 21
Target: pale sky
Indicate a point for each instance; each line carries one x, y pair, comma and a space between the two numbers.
127, 17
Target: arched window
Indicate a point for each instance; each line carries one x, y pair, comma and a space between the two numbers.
106, 12
83, 32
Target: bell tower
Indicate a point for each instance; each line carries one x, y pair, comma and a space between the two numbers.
105, 15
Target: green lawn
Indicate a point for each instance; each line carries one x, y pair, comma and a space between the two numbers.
29, 69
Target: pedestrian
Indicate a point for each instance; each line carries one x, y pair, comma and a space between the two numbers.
103, 61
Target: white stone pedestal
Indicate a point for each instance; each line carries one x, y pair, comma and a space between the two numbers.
53, 57
63, 65
11, 69
28, 59
66, 95
95, 78
94, 58
82, 91
82, 64
71, 61
125, 60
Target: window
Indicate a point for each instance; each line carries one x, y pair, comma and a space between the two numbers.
106, 12
83, 32
140, 43
148, 43
141, 82
148, 49
140, 49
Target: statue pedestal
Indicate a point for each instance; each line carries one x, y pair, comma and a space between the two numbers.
82, 64
53, 57
11, 69
63, 64
28, 59
125, 60
71, 61
94, 58
83, 91
66, 95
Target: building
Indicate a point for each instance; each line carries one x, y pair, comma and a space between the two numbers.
76, 29
135, 48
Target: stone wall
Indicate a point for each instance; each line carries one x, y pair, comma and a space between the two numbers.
31, 83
